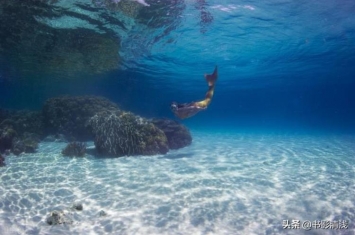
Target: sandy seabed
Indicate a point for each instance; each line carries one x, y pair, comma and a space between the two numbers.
224, 183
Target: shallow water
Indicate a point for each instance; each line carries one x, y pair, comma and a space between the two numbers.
224, 183
283, 65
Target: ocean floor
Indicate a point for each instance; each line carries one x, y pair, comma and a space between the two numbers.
238, 183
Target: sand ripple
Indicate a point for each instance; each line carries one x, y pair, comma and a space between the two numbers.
222, 184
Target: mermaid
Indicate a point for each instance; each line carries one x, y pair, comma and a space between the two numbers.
187, 110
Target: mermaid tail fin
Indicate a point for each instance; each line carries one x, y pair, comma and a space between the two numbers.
212, 78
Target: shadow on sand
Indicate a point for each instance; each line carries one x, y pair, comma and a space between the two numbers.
177, 155
93, 152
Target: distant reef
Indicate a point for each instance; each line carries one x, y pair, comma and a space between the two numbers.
68, 115
114, 131
20, 131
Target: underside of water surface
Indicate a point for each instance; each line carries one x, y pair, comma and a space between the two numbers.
91, 144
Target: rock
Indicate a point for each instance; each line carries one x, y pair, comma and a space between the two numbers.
178, 135
2, 161
20, 130
78, 206
58, 217
28, 143
74, 149
7, 135
119, 134
68, 115
102, 213
23, 121
18, 147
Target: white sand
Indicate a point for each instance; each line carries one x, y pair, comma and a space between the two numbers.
221, 184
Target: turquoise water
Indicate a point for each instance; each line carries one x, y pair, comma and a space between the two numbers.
280, 62
245, 183
277, 142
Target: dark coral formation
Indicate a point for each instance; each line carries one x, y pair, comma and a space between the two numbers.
74, 149
119, 134
20, 131
2, 161
68, 115
178, 135
22, 121
85, 118
28, 143
7, 135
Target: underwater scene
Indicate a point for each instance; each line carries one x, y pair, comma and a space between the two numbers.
175, 117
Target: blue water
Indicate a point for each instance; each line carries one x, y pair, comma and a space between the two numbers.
277, 142
281, 63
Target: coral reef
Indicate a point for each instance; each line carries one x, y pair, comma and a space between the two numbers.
20, 131
119, 134
7, 135
2, 161
22, 121
178, 135
27, 144
68, 115
74, 149
84, 118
